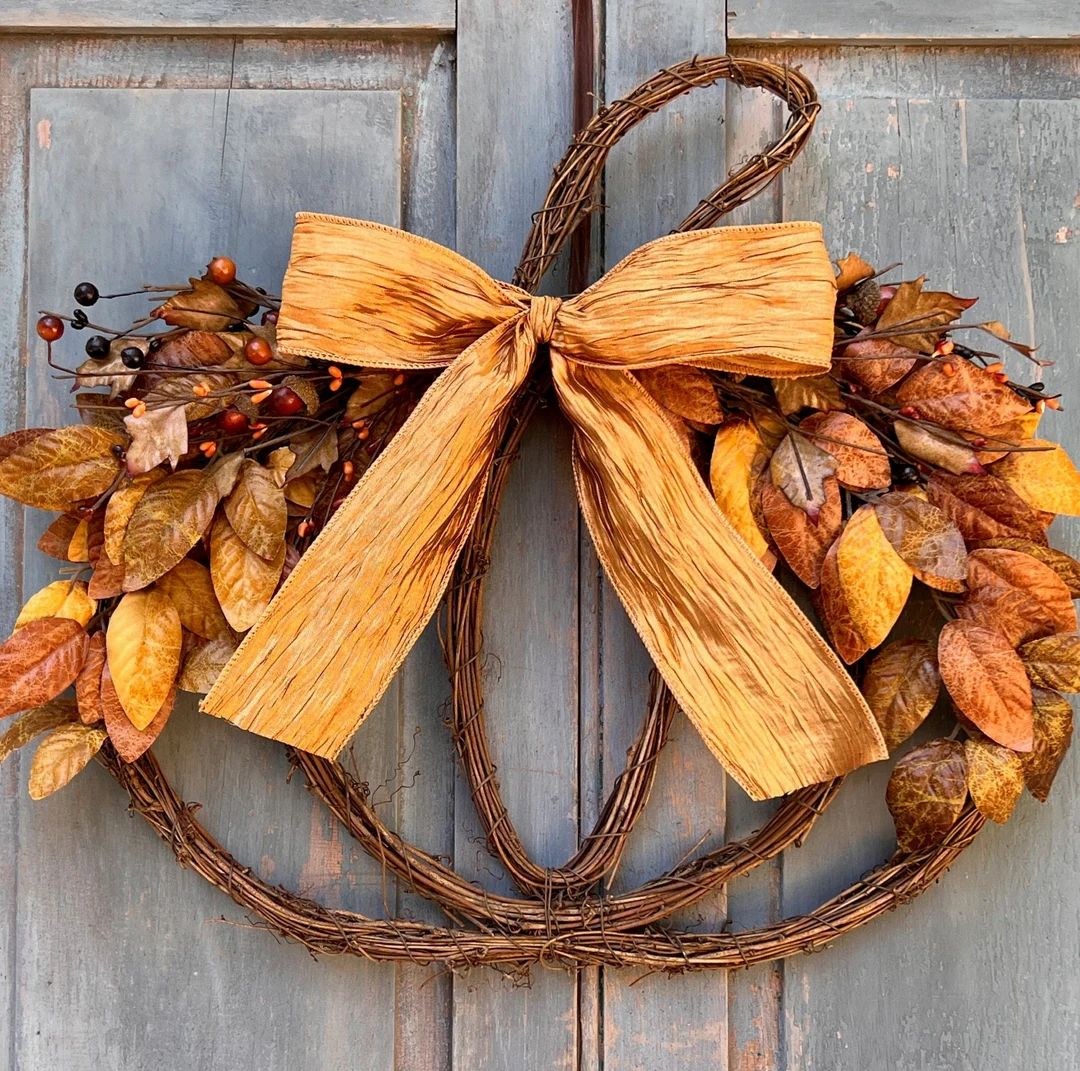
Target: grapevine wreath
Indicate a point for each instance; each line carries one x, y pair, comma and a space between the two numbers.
222, 437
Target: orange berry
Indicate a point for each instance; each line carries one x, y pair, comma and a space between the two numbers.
949, 369
363, 434
1054, 403
347, 470
335, 372
336, 384
50, 328
139, 410
399, 379
944, 347
259, 384
1040, 406
131, 403
1001, 377
358, 425
261, 396
258, 433
221, 270
200, 390
997, 366
258, 351
303, 528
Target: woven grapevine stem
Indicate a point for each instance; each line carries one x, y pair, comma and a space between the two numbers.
559, 920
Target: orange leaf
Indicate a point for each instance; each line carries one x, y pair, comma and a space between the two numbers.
807, 392
1053, 718
244, 582
968, 399
256, 510
1054, 661
803, 542
1046, 479
852, 269
88, 682
861, 461
940, 452
925, 538
685, 391
915, 316
191, 590
833, 609
800, 469
984, 507
121, 506
995, 777
901, 687
39, 662
739, 457
56, 539
987, 682
61, 598
130, 742
926, 793
60, 756
204, 307
1067, 568
61, 467
874, 363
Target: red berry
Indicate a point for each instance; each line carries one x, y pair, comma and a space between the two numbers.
258, 351
270, 317
50, 328
233, 421
284, 401
221, 270
909, 411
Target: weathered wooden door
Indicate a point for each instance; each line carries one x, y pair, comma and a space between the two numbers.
138, 140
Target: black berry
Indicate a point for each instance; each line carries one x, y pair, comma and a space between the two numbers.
97, 346
132, 356
86, 293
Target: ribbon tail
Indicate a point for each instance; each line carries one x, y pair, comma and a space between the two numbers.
339, 628
770, 699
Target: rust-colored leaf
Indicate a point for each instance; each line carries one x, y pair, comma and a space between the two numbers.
987, 682
915, 317
60, 756
739, 457
121, 506
686, 391
1067, 568
130, 742
807, 392
191, 591
61, 598
800, 469
835, 614
88, 682
33, 723
875, 579
19, 438
1016, 594
1054, 661
925, 538
1045, 478
934, 448
107, 580
204, 307
960, 396
802, 541
143, 643
61, 467
171, 518
852, 269
875, 363
1053, 720
39, 661
901, 687
861, 461
926, 793
56, 539
256, 510
159, 434
244, 581
984, 507
995, 777
204, 663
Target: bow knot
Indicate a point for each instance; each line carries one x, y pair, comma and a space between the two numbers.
768, 696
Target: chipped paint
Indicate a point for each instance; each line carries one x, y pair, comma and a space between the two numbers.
44, 133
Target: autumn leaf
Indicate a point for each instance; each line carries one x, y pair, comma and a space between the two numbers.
112, 372
303, 490
204, 663
852, 269
244, 582
56, 539
1053, 723
686, 391
925, 538
802, 541
1054, 661
1045, 478
189, 349
256, 510
861, 461
967, 398
278, 464
313, 449
171, 518
1067, 568
130, 742
33, 723
901, 687
107, 579
807, 392
995, 777
800, 469
143, 643
875, 579
159, 434
984, 507
79, 548
373, 391
60, 756
191, 591
926, 794
204, 307
935, 449
88, 682
121, 506
835, 614
1016, 594
19, 438
875, 363
987, 682
915, 317
61, 467
62, 598
738, 459
39, 661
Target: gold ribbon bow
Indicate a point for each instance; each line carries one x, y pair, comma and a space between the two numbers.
762, 688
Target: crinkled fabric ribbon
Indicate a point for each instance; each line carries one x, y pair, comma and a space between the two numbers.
765, 692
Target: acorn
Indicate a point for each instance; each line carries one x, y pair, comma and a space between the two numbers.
864, 300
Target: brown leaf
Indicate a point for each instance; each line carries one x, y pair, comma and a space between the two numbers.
861, 461
130, 743
803, 542
88, 682
160, 434
874, 363
107, 580
121, 506
189, 349
313, 449
244, 582
60, 756
374, 390
875, 579
800, 469
62, 598
1053, 720
191, 591
171, 518
205, 307
34, 722
995, 777
1068, 569
926, 793
1016, 594
901, 687
925, 538
987, 682
852, 269
686, 391
1045, 478
835, 614
256, 510
984, 507
807, 392
19, 438
916, 439
61, 467
56, 539
39, 661
278, 464
1054, 661
112, 372
915, 317
969, 399
738, 459
204, 663
143, 643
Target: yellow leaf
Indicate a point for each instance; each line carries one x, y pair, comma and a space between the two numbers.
875, 579
995, 777
39, 720
78, 549
853, 269
189, 587
122, 503
738, 459
244, 582
1045, 479
61, 598
60, 756
143, 645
